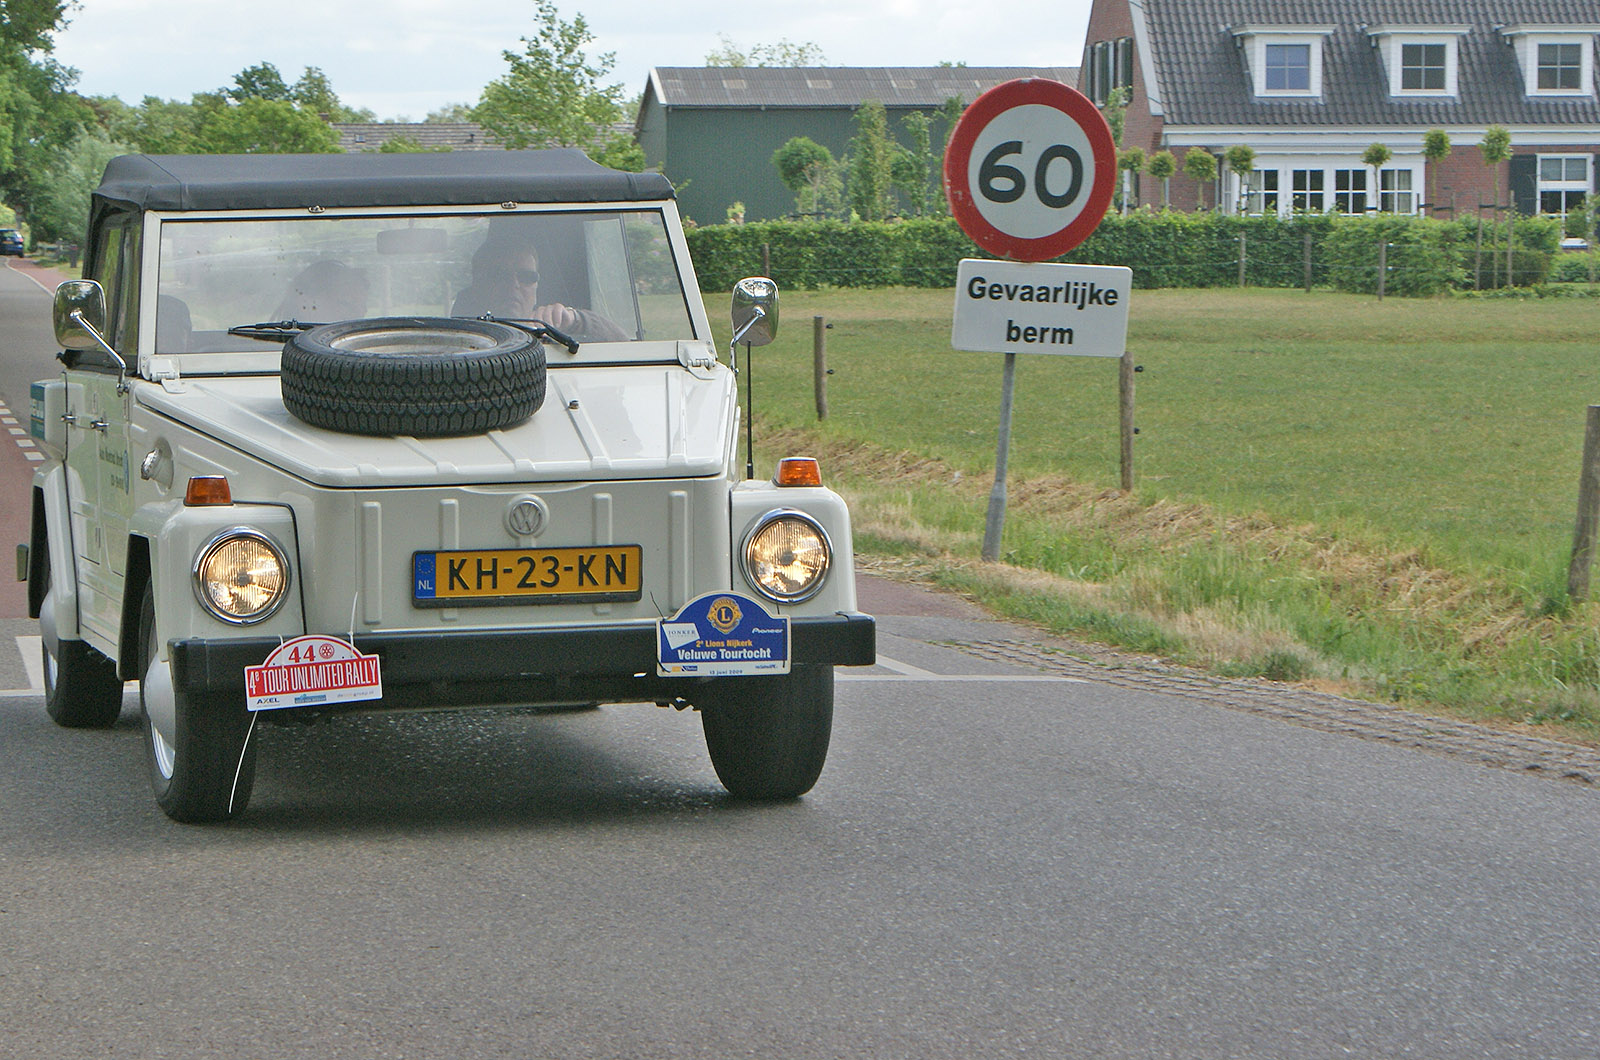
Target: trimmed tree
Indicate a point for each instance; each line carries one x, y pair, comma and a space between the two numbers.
1435, 148
1130, 160
1375, 156
1496, 148
1200, 166
1162, 165
1241, 159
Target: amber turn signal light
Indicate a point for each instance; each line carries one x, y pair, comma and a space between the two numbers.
798, 471
207, 490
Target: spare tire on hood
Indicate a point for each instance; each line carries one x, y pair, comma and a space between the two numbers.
413, 375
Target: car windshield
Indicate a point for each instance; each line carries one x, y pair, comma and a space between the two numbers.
603, 276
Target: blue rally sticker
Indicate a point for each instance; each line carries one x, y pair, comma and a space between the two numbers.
722, 635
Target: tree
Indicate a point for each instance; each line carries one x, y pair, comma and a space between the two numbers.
872, 154
59, 211
950, 112
267, 127
451, 112
1496, 148
1200, 166
912, 166
1162, 166
808, 169
1435, 148
261, 81
1130, 160
1241, 160
1375, 156
783, 53
314, 93
1115, 110
553, 94
39, 114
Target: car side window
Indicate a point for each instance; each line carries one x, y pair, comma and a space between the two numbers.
116, 269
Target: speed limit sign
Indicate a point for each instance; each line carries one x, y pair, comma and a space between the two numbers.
1030, 169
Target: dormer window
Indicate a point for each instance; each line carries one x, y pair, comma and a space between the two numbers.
1283, 61
1556, 60
1419, 60
1288, 67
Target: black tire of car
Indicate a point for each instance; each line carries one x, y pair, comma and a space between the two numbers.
210, 734
81, 687
421, 376
768, 736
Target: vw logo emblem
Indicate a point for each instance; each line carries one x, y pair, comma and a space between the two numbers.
526, 516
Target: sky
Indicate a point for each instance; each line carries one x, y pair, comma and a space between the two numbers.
404, 58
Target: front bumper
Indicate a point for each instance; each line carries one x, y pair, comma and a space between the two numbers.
566, 664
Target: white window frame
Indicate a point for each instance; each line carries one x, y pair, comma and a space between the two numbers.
1525, 39
1392, 197
1584, 186
1254, 40
1392, 42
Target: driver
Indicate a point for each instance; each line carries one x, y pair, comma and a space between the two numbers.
505, 284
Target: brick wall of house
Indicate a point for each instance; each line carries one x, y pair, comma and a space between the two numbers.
1110, 21
1465, 183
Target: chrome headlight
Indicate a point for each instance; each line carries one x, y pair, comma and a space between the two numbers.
241, 576
787, 556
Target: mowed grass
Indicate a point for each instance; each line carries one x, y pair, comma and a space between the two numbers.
1378, 496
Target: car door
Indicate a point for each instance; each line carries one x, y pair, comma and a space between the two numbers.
98, 466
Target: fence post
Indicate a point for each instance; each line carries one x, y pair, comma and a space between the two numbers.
766, 260
1383, 265
819, 364
1125, 392
1511, 239
1308, 262
1583, 538
1241, 259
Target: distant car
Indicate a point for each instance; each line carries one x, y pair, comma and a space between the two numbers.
10, 242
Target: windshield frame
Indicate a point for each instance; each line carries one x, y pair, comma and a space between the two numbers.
266, 359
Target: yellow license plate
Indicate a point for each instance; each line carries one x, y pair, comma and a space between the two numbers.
596, 574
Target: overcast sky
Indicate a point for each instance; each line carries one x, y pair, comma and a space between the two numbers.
404, 58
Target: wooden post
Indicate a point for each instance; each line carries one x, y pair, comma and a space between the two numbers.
1583, 538
766, 260
819, 364
1477, 257
1511, 239
1383, 265
1241, 259
1308, 262
1125, 392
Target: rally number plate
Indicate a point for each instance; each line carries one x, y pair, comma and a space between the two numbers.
600, 574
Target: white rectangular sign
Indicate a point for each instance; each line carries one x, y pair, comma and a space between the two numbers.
1017, 307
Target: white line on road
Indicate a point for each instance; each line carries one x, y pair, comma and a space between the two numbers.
31, 649
907, 672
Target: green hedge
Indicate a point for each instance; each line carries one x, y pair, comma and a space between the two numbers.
1164, 249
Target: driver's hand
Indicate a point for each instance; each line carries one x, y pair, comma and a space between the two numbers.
558, 316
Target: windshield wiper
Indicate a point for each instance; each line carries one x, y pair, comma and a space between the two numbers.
271, 330
538, 327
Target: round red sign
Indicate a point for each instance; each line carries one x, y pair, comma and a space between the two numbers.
1030, 169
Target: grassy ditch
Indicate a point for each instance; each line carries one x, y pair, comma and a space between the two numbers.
1374, 497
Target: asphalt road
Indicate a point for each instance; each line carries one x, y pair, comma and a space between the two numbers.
1013, 852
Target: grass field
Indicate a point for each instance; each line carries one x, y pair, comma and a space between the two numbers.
1374, 495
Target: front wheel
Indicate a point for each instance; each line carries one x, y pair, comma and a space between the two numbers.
202, 763
768, 736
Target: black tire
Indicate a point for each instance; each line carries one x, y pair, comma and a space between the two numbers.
207, 771
424, 376
81, 687
768, 736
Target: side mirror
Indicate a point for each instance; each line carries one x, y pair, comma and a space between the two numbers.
755, 311
80, 315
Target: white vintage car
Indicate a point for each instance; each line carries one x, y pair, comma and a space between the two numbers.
359, 432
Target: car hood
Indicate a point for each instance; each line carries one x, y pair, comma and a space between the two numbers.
605, 423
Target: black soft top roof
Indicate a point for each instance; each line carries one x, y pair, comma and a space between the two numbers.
433, 178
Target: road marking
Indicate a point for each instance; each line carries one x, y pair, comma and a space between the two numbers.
31, 648
906, 672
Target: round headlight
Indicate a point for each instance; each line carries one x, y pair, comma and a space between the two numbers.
786, 557
241, 577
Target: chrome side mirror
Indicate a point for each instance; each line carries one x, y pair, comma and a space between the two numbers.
79, 314
755, 311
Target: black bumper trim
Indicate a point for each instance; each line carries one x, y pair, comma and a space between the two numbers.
847, 638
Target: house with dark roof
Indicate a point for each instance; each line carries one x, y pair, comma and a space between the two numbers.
713, 130
1309, 85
